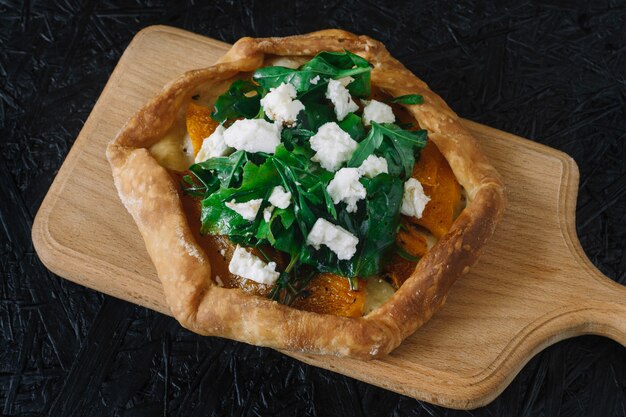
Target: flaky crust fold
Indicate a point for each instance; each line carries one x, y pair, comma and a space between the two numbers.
150, 195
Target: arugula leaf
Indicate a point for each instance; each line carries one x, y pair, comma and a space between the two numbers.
227, 168
305, 218
398, 146
315, 115
372, 141
343, 64
258, 182
191, 187
415, 137
326, 65
243, 99
378, 230
295, 137
272, 77
409, 99
353, 125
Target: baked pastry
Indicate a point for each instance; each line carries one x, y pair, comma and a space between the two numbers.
161, 140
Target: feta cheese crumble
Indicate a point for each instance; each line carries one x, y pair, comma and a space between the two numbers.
347, 188
336, 238
333, 146
414, 200
249, 266
373, 166
213, 146
339, 95
267, 213
279, 104
315, 80
253, 135
247, 210
378, 112
280, 198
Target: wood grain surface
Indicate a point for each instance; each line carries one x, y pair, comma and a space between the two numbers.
533, 287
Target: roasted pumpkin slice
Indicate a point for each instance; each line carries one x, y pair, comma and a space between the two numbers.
411, 241
434, 173
414, 242
398, 270
199, 125
330, 294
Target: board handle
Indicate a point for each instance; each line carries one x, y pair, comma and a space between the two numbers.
603, 299
608, 309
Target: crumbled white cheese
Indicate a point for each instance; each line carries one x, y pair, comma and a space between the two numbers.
247, 210
347, 188
338, 239
279, 104
373, 166
213, 146
414, 200
378, 112
267, 213
339, 95
253, 135
333, 146
249, 266
315, 79
280, 198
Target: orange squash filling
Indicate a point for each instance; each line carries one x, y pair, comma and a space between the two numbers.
440, 184
330, 294
199, 125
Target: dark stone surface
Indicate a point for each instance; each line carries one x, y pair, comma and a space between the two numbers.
552, 71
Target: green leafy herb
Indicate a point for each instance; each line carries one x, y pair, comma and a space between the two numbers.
243, 99
325, 65
337, 65
191, 186
398, 146
409, 99
272, 77
378, 231
353, 125
257, 182
228, 169
367, 147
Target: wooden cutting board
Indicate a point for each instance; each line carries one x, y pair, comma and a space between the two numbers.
533, 287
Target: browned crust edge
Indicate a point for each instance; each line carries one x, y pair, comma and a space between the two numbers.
150, 195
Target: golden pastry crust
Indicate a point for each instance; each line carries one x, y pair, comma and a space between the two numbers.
151, 196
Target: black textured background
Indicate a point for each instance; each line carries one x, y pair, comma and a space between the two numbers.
550, 71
